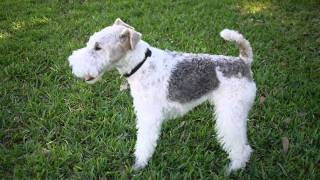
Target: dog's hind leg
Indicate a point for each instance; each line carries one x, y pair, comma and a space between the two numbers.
232, 104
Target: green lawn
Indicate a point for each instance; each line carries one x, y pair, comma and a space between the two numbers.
54, 126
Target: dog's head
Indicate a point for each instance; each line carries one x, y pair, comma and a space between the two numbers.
103, 51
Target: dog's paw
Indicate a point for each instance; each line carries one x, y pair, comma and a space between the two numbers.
138, 166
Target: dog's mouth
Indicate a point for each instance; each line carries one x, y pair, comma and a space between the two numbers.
90, 79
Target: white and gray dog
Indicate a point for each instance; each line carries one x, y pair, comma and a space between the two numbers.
166, 84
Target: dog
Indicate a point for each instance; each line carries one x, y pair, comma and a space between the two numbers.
167, 84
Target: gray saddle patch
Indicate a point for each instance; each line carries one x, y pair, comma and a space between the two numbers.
192, 79
196, 76
234, 68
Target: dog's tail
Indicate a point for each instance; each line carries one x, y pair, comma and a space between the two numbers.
241, 42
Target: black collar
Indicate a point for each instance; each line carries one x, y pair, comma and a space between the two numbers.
147, 54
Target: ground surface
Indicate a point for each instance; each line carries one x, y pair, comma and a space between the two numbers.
53, 125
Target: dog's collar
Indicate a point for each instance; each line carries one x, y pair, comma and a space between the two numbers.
147, 54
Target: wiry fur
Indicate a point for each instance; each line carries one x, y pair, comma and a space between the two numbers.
226, 82
192, 79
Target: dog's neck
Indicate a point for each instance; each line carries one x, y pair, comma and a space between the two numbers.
133, 58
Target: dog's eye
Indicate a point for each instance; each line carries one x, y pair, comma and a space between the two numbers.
97, 47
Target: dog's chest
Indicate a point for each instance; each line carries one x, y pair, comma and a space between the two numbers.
149, 84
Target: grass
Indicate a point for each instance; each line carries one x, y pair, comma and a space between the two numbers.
55, 126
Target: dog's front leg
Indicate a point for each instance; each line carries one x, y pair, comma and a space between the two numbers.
149, 126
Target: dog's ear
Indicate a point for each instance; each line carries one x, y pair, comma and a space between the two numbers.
118, 21
129, 38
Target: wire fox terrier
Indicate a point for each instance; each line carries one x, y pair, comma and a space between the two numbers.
167, 84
